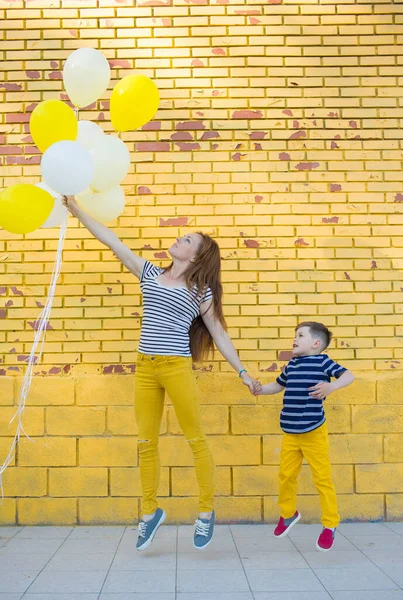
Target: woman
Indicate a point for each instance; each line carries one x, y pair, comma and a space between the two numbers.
182, 318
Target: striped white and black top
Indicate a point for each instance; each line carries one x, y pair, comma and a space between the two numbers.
167, 315
302, 413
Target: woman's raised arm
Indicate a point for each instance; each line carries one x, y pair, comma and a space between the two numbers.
106, 236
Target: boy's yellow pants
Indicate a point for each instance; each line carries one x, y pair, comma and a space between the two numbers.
173, 374
314, 446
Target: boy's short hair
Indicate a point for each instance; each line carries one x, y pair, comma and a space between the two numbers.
318, 330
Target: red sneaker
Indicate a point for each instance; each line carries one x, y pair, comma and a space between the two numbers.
284, 525
325, 540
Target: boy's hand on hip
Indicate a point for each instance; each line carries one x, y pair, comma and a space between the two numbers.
321, 390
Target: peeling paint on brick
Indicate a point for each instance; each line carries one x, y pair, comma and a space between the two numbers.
182, 136
153, 147
251, 243
297, 135
330, 219
174, 222
307, 166
142, 190
192, 125
285, 355
186, 147
210, 135
247, 114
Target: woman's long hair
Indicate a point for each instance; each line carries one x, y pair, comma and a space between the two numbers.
203, 273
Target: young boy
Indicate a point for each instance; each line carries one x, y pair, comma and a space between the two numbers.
306, 380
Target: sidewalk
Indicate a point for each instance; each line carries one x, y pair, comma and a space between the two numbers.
244, 562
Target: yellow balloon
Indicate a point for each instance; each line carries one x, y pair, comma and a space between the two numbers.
134, 102
52, 121
24, 208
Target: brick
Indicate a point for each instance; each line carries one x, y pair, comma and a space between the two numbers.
244, 510
107, 511
184, 481
32, 419
126, 482
338, 418
108, 390
180, 510
7, 391
235, 450
227, 389
272, 449
377, 419
394, 507
47, 511
23, 481
393, 448
342, 475
250, 481
214, 420
379, 478
356, 448
389, 389
255, 419
5, 449
47, 391
47, 451
108, 452
75, 421
175, 451
121, 421
8, 513
362, 391
78, 482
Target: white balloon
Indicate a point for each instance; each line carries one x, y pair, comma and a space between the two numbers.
89, 134
86, 76
67, 168
59, 212
104, 207
111, 163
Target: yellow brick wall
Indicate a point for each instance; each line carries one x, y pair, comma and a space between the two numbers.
279, 134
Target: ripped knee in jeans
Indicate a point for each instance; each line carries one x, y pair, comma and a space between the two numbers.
195, 440
198, 444
145, 444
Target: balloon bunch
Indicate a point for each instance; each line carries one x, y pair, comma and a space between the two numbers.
78, 158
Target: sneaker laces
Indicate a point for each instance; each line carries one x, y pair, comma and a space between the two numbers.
142, 529
202, 528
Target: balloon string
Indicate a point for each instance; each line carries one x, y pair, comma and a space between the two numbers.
40, 328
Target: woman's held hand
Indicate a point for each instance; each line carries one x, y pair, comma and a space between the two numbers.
253, 385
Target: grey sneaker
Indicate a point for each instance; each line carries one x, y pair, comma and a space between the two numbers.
148, 529
203, 532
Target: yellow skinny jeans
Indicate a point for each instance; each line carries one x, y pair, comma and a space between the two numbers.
314, 446
173, 374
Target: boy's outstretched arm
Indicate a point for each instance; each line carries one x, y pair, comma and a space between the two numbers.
270, 388
321, 390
